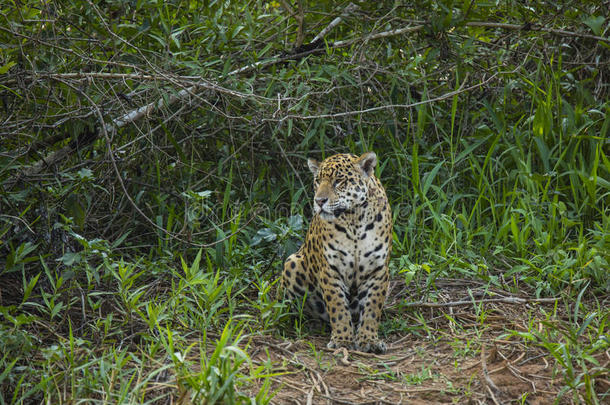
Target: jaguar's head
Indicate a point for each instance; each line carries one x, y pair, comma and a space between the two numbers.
340, 183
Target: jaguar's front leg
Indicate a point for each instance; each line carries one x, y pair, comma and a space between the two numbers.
342, 334
373, 294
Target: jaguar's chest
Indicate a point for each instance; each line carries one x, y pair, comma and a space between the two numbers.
354, 250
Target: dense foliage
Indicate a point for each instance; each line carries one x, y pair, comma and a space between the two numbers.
152, 172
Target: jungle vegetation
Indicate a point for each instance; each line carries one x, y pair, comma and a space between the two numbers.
153, 179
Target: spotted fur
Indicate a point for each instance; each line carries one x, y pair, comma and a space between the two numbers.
342, 267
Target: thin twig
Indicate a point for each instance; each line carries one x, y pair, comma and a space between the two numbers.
19, 219
415, 28
69, 50
404, 106
492, 388
299, 17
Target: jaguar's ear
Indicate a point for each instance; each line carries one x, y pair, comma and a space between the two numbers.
314, 165
367, 163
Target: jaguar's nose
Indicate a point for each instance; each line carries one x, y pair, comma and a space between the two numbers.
321, 201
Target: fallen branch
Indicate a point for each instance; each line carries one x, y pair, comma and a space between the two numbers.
379, 35
504, 300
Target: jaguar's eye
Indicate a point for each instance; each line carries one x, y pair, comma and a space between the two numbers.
336, 183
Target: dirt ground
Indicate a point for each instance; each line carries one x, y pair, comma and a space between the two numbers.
458, 357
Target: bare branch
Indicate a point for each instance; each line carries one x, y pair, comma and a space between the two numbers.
351, 7
392, 106
535, 27
136, 114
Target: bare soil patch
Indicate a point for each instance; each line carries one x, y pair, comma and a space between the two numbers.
462, 354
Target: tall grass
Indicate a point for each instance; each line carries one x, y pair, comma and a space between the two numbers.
531, 192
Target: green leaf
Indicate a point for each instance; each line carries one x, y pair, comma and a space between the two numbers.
29, 287
595, 23
236, 31
70, 258
586, 323
429, 178
415, 168
8, 367
85, 173
265, 234
295, 222
6, 67
544, 152
75, 209
515, 230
